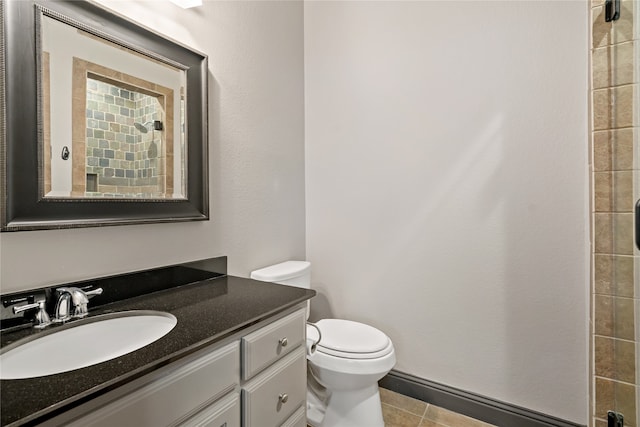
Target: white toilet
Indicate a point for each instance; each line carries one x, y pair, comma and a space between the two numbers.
345, 360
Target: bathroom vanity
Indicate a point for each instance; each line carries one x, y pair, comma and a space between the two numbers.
236, 357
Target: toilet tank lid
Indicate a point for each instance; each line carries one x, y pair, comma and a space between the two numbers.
283, 271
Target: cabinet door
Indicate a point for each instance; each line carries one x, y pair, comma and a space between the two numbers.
185, 389
223, 413
264, 346
298, 419
272, 396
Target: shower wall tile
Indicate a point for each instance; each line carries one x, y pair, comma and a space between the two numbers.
637, 337
622, 197
614, 317
623, 30
623, 233
613, 107
613, 394
613, 65
637, 379
602, 187
613, 233
614, 275
614, 149
634, 145
636, 284
613, 191
601, 109
615, 359
623, 106
625, 318
601, 31
601, 74
637, 406
602, 239
622, 148
602, 151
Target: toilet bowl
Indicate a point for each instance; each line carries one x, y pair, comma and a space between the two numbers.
345, 361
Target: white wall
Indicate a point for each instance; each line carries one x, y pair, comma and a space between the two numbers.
256, 159
446, 168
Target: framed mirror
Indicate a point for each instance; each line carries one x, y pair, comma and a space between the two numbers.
103, 122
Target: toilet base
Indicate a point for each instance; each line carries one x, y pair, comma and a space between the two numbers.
346, 408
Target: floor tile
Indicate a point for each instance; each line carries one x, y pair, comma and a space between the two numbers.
401, 401
396, 417
429, 423
403, 411
451, 419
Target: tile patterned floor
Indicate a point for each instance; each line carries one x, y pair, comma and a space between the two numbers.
402, 411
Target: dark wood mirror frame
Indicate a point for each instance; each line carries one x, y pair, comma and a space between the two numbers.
22, 205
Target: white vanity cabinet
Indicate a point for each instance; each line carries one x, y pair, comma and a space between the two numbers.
255, 378
224, 413
191, 387
274, 370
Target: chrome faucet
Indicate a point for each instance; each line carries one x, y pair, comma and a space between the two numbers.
72, 302
63, 306
41, 318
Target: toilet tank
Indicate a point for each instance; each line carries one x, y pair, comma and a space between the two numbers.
292, 273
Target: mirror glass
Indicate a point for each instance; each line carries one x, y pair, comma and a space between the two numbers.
113, 120
105, 122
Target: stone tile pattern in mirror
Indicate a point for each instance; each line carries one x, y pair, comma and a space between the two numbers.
121, 160
111, 157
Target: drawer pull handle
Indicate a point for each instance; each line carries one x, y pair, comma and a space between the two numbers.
283, 397
283, 342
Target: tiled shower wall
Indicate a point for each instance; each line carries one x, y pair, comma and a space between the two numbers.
615, 187
118, 153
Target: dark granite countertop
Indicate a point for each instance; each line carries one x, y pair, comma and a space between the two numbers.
207, 312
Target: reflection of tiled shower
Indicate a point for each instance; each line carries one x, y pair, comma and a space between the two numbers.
118, 154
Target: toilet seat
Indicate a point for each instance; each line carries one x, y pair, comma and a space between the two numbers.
350, 340
323, 364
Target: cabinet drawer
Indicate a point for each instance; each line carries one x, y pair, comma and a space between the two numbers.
180, 392
223, 413
272, 396
298, 419
264, 346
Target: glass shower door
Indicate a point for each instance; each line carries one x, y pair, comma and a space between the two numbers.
615, 189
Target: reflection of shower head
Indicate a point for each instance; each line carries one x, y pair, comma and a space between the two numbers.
142, 127
157, 125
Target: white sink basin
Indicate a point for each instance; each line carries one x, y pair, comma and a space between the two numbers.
83, 343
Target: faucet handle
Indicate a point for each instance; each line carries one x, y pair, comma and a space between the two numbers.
41, 318
81, 309
93, 292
